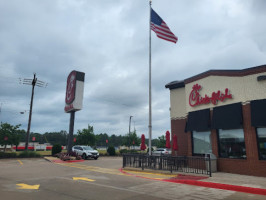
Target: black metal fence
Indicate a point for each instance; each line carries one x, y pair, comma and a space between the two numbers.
197, 165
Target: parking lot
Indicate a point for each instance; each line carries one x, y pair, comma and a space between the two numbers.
94, 179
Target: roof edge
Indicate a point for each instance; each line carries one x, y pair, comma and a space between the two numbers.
236, 73
175, 85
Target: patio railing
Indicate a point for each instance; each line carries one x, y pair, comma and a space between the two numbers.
186, 164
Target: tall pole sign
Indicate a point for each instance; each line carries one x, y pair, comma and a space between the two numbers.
73, 100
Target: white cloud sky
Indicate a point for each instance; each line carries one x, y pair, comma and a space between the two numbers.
108, 40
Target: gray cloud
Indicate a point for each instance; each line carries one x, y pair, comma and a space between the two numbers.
108, 40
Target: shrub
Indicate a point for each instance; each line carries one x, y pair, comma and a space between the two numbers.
78, 158
73, 154
122, 151
65, 157
103, 153
133, 151
111, 151
8, 155
29, 154
57, 148
68, 156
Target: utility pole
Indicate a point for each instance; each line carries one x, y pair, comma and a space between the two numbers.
32, 82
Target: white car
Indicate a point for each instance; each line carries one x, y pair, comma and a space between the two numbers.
161, 151
86, 152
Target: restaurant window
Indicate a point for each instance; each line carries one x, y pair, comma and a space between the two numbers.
232, 143
261, 133
201, 142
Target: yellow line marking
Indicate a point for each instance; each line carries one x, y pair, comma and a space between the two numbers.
20, 162
115, 171
83, 179
94, 169
27, 187
150, 173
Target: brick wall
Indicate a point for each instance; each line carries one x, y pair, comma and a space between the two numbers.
250, 166
178, 129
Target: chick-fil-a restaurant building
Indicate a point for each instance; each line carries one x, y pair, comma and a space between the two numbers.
222, 112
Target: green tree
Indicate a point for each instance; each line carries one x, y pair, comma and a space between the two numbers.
131, 139
16, 139
8, 134
86, 136
162, 141
111, 151
54, 138
22, 134
101, 139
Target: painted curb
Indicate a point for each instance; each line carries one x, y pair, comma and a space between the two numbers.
221, 186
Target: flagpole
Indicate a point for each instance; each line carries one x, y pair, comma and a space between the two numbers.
150, 113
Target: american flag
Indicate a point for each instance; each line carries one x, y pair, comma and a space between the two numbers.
160, 28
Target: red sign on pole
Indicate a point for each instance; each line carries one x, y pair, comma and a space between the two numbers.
5, 138
75, 139
33, 138
106, 141
71, 87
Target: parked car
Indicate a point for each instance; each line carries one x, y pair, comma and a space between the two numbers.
86, 152
161, 151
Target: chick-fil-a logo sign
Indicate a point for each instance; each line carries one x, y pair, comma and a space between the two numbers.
196, 99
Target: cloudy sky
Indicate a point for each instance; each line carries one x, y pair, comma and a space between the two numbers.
108, 40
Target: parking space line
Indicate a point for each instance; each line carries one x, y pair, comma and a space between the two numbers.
20, 162
23, 186
83, 179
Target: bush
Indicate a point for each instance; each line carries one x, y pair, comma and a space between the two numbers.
111, 151
8, 155
65, 157
133, 151
57, 148
122, 151
29, 154
73, 154
68, 156
23, 154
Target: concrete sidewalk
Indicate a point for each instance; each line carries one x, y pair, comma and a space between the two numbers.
217, 177
237, 179
219, 180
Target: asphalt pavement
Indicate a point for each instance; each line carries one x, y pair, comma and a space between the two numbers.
219, 180
105, 178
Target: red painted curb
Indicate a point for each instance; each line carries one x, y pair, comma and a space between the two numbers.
221, 186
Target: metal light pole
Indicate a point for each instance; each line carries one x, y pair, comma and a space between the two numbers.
150, 94
129, 124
